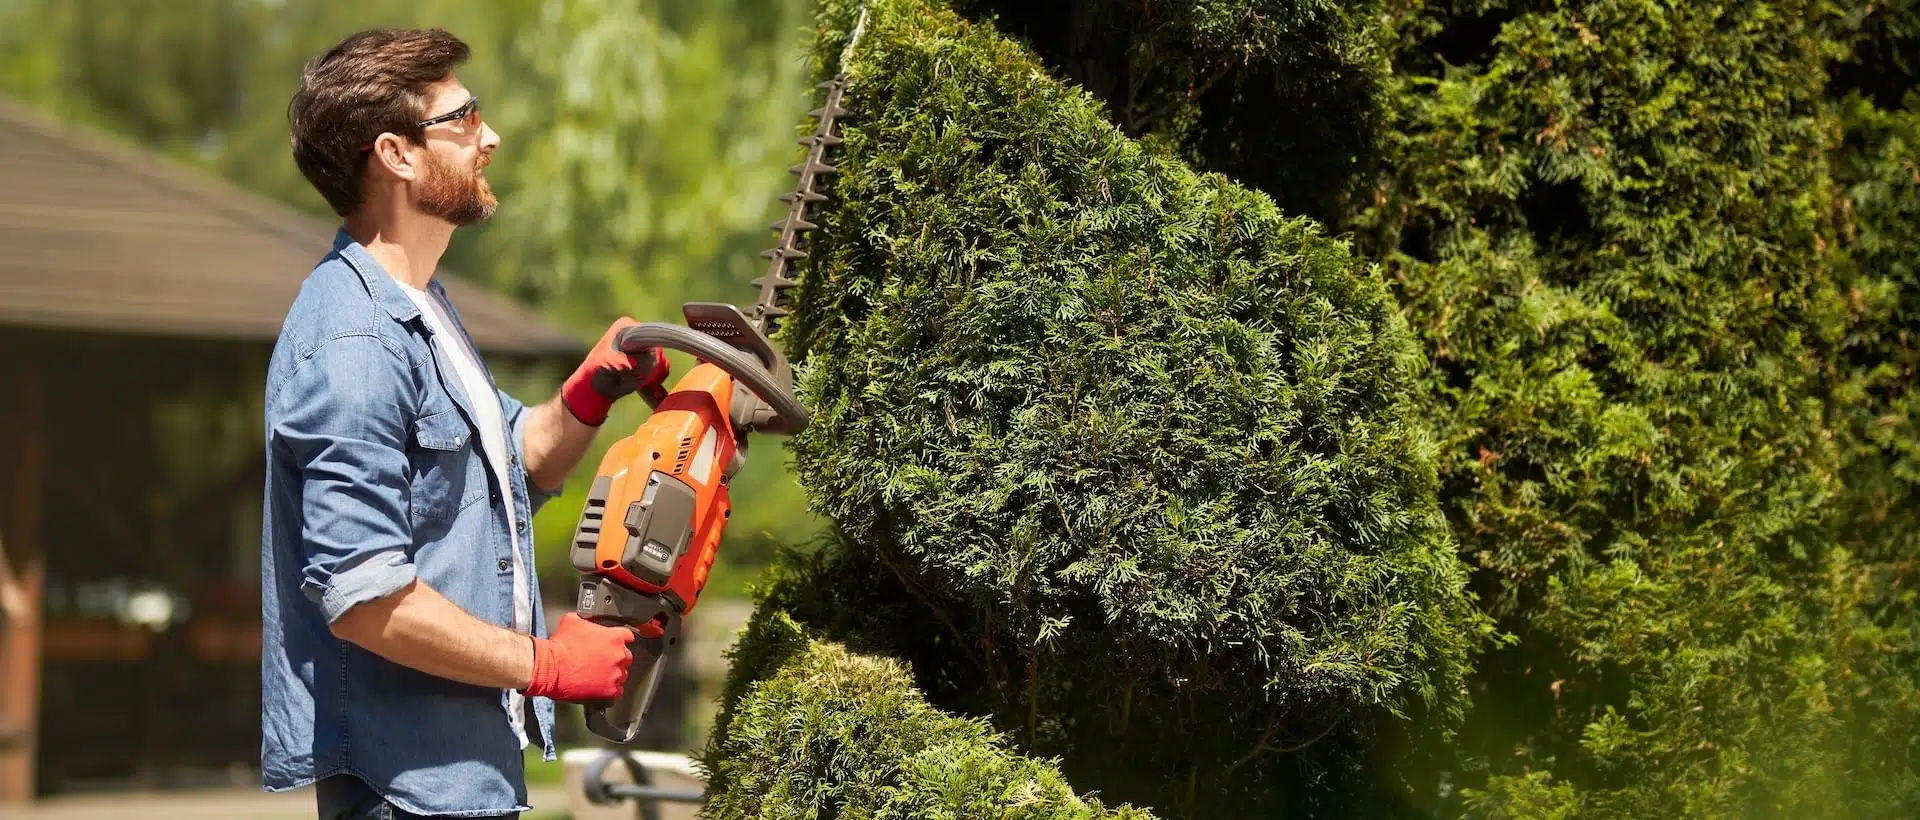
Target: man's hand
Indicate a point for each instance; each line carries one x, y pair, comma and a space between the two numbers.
609, 375
559, 430
581, 661
420, 628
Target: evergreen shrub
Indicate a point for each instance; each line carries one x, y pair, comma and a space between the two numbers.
1131, 452
1878, 206
1286, 93
1656, 267
1613, 227
813, 729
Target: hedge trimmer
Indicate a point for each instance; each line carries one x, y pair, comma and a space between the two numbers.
658, 503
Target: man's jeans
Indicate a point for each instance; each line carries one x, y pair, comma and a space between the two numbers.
345, 797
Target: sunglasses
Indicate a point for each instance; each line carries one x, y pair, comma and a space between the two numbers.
470, 113
470, 110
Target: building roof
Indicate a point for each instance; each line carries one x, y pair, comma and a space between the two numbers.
97, 237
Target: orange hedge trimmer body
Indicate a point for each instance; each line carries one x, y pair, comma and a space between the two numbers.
654, 515
687, 441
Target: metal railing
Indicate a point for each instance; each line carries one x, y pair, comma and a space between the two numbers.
642, 790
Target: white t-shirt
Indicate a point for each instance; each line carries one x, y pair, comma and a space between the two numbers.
472, 380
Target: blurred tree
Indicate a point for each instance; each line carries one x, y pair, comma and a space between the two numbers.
644, 159
163, 73
644, 146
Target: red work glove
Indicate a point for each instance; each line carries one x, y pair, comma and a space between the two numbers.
609, 375
582, 660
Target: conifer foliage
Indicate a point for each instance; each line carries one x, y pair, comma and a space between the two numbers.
1286, 93
1614, 230
1133, 463
1137, 445
825, 732
1878, 207
1077, 384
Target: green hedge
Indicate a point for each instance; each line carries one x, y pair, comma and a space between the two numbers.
1878, 174
1136, 465
808, 728
1070, 380
1617, 229
1285, 93
1131, 452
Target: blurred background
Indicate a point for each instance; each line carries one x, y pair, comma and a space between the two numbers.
153, 229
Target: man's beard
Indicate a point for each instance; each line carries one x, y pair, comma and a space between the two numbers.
462, 199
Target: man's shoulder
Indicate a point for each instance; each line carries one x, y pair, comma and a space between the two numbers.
334, 303
338, 338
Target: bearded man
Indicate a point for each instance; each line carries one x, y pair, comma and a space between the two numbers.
406, 660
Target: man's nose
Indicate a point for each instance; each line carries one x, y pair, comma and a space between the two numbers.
489, 139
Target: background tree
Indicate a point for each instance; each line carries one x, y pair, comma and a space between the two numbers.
650, 140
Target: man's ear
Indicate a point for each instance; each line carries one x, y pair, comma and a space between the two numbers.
393, 158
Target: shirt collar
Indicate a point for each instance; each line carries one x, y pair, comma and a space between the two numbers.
381, 285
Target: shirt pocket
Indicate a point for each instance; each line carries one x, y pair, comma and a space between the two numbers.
443, 458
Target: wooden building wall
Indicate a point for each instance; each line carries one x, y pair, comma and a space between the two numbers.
132, 467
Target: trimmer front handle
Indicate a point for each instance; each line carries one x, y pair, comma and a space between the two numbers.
763, 371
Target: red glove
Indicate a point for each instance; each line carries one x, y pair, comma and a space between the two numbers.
609, 375
582, 660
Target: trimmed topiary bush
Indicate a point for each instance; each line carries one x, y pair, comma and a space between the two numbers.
1285, 93
812, 729
1131, 450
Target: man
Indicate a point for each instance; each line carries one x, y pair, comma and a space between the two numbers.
404, 644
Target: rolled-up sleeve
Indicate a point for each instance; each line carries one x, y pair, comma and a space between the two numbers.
343, 419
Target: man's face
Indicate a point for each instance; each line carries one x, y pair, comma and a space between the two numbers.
452, 185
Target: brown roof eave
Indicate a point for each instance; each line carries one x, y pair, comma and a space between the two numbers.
100, 237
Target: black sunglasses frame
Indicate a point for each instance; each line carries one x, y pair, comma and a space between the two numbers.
472, 105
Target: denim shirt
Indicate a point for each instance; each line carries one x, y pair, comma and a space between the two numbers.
375, 477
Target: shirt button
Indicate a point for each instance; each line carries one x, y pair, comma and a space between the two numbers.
504, 565
523, 525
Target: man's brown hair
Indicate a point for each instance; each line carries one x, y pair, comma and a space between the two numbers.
372, 82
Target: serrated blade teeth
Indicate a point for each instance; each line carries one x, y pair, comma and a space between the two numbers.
803, 211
